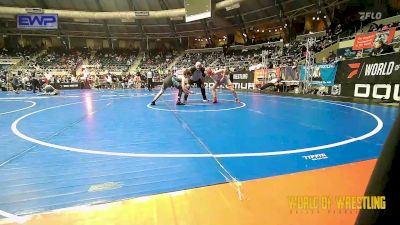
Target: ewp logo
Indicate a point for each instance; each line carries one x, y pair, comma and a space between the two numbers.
37, 21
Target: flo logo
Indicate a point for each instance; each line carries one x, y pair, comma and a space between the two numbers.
373, 69
355, 67
372, 15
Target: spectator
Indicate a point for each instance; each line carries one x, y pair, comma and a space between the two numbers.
16, 84
137, 80
381, 48
331, 57
149, 80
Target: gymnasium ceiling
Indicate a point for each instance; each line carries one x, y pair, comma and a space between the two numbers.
251, 14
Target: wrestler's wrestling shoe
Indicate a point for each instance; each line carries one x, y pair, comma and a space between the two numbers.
180, 103
237, 100
153, 103
215, 100
205, 100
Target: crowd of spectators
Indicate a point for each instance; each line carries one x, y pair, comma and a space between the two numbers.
206, 58
19, 52
383, 27
23, 80
111, 81
380, 44
157, 61
61, 59
114, 59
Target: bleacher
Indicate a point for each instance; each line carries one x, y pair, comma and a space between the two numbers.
190, 58
114, 60
61, 59
157, 61
19, 52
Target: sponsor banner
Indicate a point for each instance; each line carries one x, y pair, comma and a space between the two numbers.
37, 21
34, 10
315, 157
290, 73
365, 41
237, 86
375, 69
88, 66
142, 13
262, 76
243, 79
157, 83
9, 61
68, 86
322, 75
349, 53
243, 76
4, 66
371, 91
375, 77
240, 80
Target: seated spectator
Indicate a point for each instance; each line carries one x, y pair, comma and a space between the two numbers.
331, 57
338, 29
16, 84
131, 82
381, 48
359, 54
373, 27
386, 27
137, 80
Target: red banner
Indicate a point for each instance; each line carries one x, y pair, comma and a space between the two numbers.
365, 41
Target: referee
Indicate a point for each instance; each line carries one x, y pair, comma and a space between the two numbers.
197, 77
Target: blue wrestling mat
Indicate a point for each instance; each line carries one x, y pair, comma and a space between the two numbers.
88, 147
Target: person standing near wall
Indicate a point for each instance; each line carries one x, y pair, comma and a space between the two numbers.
15, 84
35, 83
149, 80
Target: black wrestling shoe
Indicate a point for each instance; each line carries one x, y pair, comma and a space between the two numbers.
153, 103
180, 103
